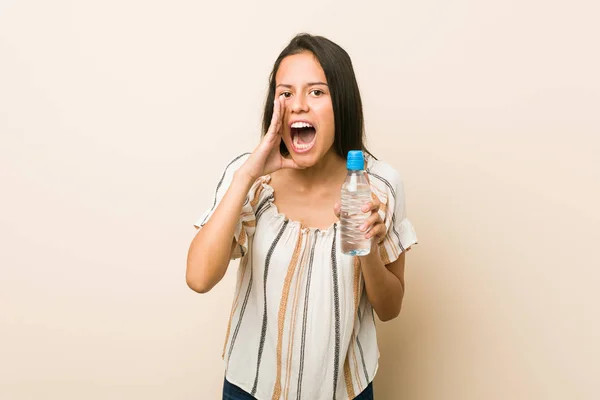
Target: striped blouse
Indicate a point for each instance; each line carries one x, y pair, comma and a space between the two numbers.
301, 326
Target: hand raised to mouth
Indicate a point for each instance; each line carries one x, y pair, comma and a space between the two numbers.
266, 158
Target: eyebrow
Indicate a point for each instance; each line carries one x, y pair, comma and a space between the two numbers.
308, 84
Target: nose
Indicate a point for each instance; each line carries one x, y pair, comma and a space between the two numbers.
299, 104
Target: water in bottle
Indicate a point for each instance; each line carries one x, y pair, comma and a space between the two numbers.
356, 192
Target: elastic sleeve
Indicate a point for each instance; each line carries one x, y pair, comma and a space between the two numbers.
401, 234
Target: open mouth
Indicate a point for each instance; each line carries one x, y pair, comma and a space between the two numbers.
303, 136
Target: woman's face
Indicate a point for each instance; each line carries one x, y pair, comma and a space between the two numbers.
308, 129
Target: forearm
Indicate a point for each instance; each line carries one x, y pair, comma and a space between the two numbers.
210, 251
385, 291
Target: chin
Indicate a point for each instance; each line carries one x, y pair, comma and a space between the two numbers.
308, 159
303, 160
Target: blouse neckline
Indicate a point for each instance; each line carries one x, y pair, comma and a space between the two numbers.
265, 183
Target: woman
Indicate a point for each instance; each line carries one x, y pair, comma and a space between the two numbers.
302, 323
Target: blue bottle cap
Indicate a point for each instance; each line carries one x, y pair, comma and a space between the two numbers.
355, 160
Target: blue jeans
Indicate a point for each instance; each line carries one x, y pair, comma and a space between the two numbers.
232, 392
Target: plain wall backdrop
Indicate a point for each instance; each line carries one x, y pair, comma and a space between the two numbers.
117, 118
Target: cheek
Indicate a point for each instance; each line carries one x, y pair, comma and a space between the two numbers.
329, 122
325, 112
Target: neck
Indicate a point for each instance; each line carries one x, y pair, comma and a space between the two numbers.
329, 170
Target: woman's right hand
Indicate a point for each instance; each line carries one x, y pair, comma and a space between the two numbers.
267, 158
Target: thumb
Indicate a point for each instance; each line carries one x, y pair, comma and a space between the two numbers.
337, 209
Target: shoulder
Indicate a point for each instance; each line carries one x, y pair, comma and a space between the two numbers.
225, 173
233, 163
383, 174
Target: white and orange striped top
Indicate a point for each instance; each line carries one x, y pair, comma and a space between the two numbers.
301, 326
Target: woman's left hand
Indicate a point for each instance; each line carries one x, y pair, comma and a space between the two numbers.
373, 226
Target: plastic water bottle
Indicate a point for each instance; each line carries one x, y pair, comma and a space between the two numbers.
356, 192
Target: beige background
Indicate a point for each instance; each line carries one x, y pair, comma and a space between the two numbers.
116, 118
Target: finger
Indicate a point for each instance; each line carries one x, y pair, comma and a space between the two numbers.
378, 232
376, 202
274, 118
272, 134
337, 209
373, 219
372, 205
277, 124
280, 115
